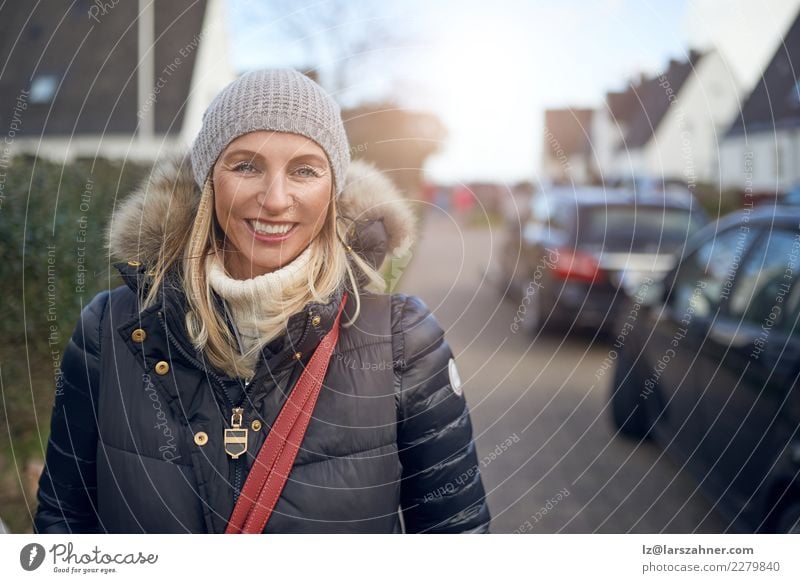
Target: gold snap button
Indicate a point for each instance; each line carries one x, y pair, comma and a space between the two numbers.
134, 263
316, 320
201, 438
162, 367
255, 425
138, 335
298, 355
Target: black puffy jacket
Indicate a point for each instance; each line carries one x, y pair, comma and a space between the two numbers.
390, 437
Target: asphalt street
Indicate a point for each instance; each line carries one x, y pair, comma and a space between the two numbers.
549, 457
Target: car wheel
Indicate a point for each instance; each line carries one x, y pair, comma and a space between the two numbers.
627, 402
788, 521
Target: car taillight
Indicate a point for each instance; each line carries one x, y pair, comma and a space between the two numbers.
577, 265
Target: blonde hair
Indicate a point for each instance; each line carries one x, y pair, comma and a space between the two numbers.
331, 263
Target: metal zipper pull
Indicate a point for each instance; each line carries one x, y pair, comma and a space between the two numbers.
236, 437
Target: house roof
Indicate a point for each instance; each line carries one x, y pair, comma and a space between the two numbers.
569, 130
621, 104
641, 107
775, 100
79, 65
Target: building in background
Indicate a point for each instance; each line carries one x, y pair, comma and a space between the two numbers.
675, 132
397, 140
761, 149
567, 156
110, 79
665, 127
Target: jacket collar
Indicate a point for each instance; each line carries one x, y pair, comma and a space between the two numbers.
165, 206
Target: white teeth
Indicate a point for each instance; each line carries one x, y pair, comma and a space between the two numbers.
271, 228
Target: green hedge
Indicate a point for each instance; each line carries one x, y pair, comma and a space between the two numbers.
52, 222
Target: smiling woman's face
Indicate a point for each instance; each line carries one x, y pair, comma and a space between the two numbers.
265, 183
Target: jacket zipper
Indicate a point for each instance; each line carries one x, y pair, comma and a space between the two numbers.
190, 358
236, 464
305, 331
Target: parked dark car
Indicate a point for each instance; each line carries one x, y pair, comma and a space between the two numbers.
708, 366
792, 196
580, 248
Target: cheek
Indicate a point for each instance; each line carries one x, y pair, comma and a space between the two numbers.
318, 210
227, 197
223, 213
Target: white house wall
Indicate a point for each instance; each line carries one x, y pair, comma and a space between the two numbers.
629, 162
606, 135
212, 70
685, 142
767, 162
572, 169
114, 146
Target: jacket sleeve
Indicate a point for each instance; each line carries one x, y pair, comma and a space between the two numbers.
67, 487
441, 489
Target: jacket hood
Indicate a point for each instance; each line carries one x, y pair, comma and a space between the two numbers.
165, 205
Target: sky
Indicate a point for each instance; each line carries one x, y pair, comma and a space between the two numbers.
490, 69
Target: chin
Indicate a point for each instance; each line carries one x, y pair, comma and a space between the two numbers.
266, 264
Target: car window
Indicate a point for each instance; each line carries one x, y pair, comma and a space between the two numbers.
552, 215
705, 278
791, 316
764, 286
643, 228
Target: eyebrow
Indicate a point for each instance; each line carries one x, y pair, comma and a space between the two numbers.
313, 158
243, 152
253, 155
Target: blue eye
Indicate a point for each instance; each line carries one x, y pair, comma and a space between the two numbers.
244, 167
308, 172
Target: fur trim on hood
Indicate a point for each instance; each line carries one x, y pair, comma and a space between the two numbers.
166, 203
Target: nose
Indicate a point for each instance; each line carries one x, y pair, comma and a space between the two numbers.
275, 196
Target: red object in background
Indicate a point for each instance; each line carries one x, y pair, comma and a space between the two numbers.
429, 191
577, 265
463, 199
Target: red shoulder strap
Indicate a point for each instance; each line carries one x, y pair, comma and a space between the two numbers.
272, 466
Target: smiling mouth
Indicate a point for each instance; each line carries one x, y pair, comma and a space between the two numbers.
273, 229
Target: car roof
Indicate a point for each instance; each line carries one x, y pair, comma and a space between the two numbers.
603, 196
762, 213
771, 214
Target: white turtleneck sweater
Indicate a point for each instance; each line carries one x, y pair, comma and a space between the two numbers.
248, 300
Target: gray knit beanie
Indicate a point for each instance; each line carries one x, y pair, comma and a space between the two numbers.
282, 100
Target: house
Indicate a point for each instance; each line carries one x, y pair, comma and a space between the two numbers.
567, 156
398, 140
109, 78
684, 145
661, 127
761, 149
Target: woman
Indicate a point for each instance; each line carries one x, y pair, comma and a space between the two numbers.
235, 270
